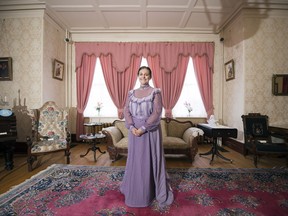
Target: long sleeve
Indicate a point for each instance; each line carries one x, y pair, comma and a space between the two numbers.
127, 114
155, 117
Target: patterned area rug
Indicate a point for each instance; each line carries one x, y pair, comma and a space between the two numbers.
91, 190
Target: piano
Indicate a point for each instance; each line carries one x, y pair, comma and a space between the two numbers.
8, 136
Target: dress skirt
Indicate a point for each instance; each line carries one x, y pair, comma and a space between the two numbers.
145, 177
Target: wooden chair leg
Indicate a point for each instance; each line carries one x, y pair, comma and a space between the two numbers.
67, 153
255, 160
29, 166
30, 161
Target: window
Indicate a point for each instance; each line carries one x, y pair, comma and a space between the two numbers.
190, 93
99, 94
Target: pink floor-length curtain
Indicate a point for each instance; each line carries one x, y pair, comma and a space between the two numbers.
119, 83
84, 78
204, 78
170, 83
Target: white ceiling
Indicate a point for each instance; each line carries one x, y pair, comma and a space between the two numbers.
194, 16
171, 15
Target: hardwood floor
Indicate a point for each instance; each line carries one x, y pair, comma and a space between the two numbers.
20, 172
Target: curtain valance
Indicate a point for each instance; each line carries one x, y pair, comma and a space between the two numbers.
168, 52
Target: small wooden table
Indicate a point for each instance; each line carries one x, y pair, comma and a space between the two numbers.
94, 139
215, 132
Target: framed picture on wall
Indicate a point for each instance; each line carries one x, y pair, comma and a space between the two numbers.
6, 72
58, 70
229, 70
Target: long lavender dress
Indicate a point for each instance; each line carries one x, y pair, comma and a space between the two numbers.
145, 176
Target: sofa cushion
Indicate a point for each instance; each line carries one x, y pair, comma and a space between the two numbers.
123, 143
122, 127
48, 145
174, 143
168, 143
177, 130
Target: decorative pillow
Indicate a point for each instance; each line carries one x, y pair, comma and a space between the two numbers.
115, 133
163, 128
121, 126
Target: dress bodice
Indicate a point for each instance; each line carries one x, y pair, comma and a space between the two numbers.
141, 107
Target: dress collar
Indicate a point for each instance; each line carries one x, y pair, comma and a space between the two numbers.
145, 86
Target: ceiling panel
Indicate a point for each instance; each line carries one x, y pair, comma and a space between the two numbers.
202, 20
160, 19
69, 2
122, 19
82, 19
114, 3
168, 3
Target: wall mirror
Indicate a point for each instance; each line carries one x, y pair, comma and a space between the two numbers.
280, 84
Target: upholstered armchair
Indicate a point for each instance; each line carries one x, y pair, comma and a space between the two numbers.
258, 139
49, 132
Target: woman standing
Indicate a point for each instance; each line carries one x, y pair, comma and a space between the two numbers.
145, 176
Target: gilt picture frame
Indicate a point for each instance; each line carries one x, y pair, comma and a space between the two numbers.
58, 70
6, 72
229, 70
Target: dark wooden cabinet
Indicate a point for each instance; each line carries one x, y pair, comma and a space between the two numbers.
8, 136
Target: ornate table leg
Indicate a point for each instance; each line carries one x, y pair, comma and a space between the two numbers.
94, 148
214, 151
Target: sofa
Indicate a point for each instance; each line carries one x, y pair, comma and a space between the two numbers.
179, 137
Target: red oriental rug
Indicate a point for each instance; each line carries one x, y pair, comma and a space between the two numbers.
91, 190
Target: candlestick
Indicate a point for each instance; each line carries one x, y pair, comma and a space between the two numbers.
3, 102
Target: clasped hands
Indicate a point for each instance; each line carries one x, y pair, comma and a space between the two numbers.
137, 132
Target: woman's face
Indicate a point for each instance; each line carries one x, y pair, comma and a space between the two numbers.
144, 76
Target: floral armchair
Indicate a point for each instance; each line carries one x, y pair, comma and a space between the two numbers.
49, 132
